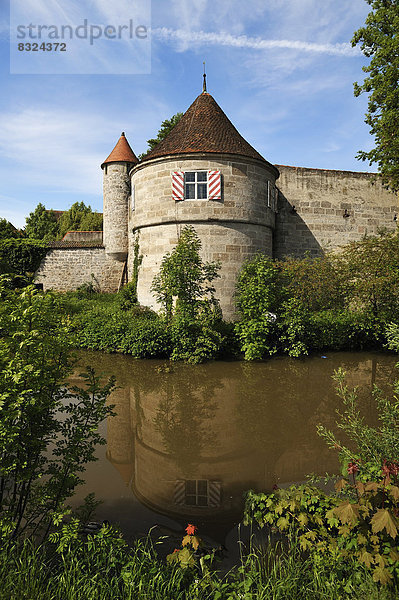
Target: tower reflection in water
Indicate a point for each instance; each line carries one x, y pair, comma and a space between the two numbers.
190, 440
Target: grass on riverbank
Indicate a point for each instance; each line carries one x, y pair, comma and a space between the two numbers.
105, 569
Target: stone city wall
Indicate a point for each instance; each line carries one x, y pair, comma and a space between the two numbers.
65, 269
320, 198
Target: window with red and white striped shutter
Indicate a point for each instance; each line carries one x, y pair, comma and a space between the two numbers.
214, 185
178, 185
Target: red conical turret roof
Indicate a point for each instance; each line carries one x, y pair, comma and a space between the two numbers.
122, 152
204, 128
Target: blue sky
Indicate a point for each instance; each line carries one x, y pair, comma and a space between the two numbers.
282, 70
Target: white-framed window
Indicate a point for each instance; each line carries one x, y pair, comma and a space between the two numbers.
196, 185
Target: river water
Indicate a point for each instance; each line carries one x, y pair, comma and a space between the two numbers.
187, 441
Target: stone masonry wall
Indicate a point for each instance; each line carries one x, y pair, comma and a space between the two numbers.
231, 229
320, 198
230, 244
65, 269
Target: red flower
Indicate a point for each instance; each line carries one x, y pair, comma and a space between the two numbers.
191, 529
176, 550
353, 467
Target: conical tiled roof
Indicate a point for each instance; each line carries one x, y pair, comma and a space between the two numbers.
204, 128
122, 152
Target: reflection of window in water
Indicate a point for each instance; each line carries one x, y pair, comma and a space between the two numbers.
198, 492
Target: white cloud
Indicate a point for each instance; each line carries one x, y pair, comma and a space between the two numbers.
253, 43
61, 150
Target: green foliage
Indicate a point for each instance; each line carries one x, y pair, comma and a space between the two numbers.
184, 288
103, 567
47, 434
185, 277
259, 293
369, 446
144, 336
337, 302
361, 520
7, 230
166, 126
21, 256
79, 218
196, 340
319, 283
392, 335
379, 41
371, 268
361, 528
89, 288
41, 224
128, 294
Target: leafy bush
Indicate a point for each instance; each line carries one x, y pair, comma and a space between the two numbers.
319, 283
89, 288
127, 296
362, 519
37, 414
362, 528
259, 295
21, 256
142, 337
195, 340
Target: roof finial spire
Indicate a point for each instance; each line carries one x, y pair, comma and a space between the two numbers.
204, 84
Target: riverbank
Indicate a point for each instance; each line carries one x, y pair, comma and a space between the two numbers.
98, 322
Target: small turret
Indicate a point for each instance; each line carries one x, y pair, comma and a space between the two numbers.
116, 190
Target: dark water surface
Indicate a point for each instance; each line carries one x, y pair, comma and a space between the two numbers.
187, 441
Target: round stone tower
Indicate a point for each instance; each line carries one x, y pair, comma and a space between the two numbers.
116, 190
204, 174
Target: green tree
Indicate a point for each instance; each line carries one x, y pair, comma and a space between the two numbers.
166, 127
259, 294
371, 268
7, 230
21, 256
79, 218
183, 275
47, 434
379, 41
41, 224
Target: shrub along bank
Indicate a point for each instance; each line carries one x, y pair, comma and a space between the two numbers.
344, 301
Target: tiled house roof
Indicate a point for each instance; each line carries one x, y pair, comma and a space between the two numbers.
204, 128
122, 152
